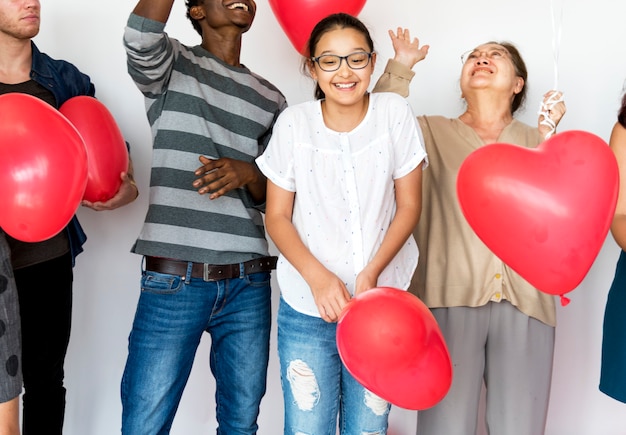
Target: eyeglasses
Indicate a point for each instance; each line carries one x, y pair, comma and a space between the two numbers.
332, 62
491, 54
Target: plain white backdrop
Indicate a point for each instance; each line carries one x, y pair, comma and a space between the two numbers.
591, 64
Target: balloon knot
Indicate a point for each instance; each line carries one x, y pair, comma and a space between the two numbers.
564, 301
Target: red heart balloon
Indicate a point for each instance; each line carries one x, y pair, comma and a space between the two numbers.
544, 211
299, 17
391, 343
43, 168
106, 148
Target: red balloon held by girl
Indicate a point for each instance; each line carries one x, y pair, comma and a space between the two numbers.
391, 343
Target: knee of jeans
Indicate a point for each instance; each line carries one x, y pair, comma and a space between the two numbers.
303, 384
376, 404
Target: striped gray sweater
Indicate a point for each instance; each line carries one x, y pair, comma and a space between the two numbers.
198, 105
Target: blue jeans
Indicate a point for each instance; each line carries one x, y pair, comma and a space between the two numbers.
172, 314
317, 387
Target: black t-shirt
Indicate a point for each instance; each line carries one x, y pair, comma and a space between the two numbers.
23, 253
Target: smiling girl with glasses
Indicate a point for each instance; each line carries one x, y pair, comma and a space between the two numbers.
343, 197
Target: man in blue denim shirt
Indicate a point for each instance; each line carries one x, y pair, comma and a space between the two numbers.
43, 270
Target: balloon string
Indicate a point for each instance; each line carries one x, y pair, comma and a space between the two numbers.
544, 110
556, 42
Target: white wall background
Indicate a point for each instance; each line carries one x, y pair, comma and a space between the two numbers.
592, 68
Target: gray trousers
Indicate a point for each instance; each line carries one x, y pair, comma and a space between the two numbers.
512, 353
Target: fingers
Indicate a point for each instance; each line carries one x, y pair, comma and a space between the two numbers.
220, 176
210, 177
553, 105
401, 33
331, 310
551, 111
331, 296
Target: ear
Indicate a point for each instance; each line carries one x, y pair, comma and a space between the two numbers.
519, 85
373, 61
197, 12
311, 66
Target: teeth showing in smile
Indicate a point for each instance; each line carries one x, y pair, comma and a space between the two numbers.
239, 6
344, 85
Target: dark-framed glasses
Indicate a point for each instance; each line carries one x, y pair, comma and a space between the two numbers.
332, 62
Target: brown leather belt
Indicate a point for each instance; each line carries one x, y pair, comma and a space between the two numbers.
210, 272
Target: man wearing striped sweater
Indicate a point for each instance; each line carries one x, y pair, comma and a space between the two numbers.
207, 264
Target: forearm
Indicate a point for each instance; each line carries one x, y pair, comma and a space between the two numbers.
617, 143
408, 210
157, 10
399, 231
618, 230
257, 187
288, 241
396, 78
130, 173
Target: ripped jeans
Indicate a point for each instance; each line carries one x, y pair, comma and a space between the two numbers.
317, 387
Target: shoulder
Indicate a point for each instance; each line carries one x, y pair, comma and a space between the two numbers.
388, 98
436, 121
390, 105
267, 84
618, 137
301, 110
44, 60
61, 71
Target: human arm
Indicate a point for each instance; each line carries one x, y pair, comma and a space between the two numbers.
219, 176
397, 75
553, 109
329, 291
157, 10
408, 192
617, 143
127, 193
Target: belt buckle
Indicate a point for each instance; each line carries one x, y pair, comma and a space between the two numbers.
205, 272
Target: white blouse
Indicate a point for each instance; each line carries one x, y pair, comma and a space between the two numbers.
344, 189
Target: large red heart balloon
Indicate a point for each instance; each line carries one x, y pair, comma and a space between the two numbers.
544, 211
298, 17
391, 343
43, 168
106, 148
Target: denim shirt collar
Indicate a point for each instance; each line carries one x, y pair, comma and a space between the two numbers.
39, 66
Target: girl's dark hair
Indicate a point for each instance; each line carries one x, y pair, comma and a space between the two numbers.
621, 115
520, 71
190, 4
332, 22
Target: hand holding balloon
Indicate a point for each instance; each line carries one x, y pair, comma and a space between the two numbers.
105, 145
551, 113
391, 343
126, 194
330, 294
